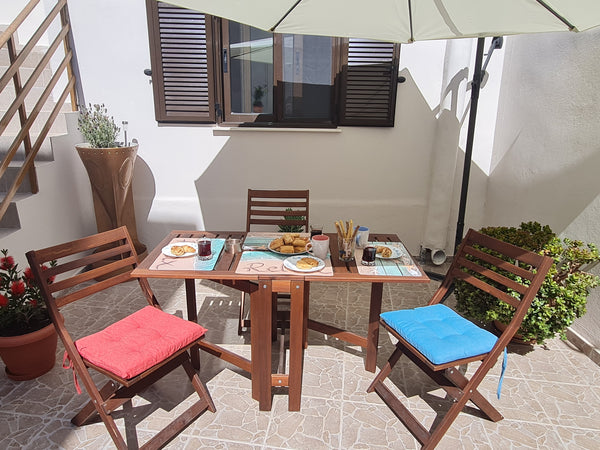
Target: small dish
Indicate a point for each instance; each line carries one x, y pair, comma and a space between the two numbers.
290, 263
396, 253
166, 250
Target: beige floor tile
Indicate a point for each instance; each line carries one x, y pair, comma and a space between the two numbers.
550, 398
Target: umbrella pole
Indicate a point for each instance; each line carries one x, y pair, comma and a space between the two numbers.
475, 88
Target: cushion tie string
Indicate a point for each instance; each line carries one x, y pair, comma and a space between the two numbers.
70, 366
504, 361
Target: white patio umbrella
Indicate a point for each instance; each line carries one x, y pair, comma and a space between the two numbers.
406, 21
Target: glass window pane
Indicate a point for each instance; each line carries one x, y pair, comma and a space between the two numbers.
307, 79
251, 71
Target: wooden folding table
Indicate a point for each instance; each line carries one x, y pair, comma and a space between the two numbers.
262, 284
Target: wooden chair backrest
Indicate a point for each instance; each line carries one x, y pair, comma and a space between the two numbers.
84, 267
269, 207
475, 258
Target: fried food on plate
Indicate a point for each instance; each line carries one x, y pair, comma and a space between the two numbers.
286, 249
180, 250
307, 263
276, 243
177, 250
384, 251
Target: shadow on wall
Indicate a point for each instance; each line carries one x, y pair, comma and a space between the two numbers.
555, 192
379, 177
150, 229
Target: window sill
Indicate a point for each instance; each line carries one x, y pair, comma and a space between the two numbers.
224, 131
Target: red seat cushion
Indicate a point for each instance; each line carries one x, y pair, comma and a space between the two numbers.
138, 342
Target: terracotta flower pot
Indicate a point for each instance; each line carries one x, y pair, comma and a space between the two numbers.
30, 355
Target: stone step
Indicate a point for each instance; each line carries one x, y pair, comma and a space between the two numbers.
44, 154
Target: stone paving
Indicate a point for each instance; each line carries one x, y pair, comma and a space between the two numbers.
550, 397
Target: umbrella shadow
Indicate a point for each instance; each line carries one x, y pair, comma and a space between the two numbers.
547, 186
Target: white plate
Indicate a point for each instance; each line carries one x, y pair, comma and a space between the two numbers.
290, 263
396, 253
167, 249
286, 254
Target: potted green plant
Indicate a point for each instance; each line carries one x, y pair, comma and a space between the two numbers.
563, 295
109, 165
27, 336
257, 95
291, 228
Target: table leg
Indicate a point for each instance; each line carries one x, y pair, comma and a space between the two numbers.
373, 333
298, 299
260, 343
192, 315
305, 319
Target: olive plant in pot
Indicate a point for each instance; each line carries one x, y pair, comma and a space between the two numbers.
109, 165
27, 336
563, 295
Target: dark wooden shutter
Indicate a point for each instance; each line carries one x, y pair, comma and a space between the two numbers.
369, 79
182, 63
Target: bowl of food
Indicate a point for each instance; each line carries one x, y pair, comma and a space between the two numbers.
290, 244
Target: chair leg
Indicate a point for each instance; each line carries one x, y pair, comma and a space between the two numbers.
89, 410
460, 388
479, 400
198, 385
386, 370
189, 415
113, 398
241, 317
274, 317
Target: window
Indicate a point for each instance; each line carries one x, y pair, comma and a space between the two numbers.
209, 70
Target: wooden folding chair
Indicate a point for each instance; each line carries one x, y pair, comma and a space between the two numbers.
272, 207
133, 352
438, 340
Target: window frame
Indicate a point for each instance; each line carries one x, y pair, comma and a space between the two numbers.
353, 102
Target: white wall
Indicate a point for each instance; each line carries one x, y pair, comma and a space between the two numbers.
547, 145
197, 177
63, 209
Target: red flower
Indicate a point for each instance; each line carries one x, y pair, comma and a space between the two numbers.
49, 279
33, 302
3, 300
17, 288
28, 274
7, 262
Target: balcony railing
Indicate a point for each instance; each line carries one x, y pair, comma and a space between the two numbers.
59, 58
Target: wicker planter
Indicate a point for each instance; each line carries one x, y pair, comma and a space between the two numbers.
30, 355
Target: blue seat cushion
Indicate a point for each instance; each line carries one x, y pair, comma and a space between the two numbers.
439, 333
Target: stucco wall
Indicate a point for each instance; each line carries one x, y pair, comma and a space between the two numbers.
197, 177
547, 145
63, 209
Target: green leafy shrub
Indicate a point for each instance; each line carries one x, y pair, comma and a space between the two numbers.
563, 295
291, 228
97, 127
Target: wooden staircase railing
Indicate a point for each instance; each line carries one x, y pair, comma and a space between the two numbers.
68, 66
